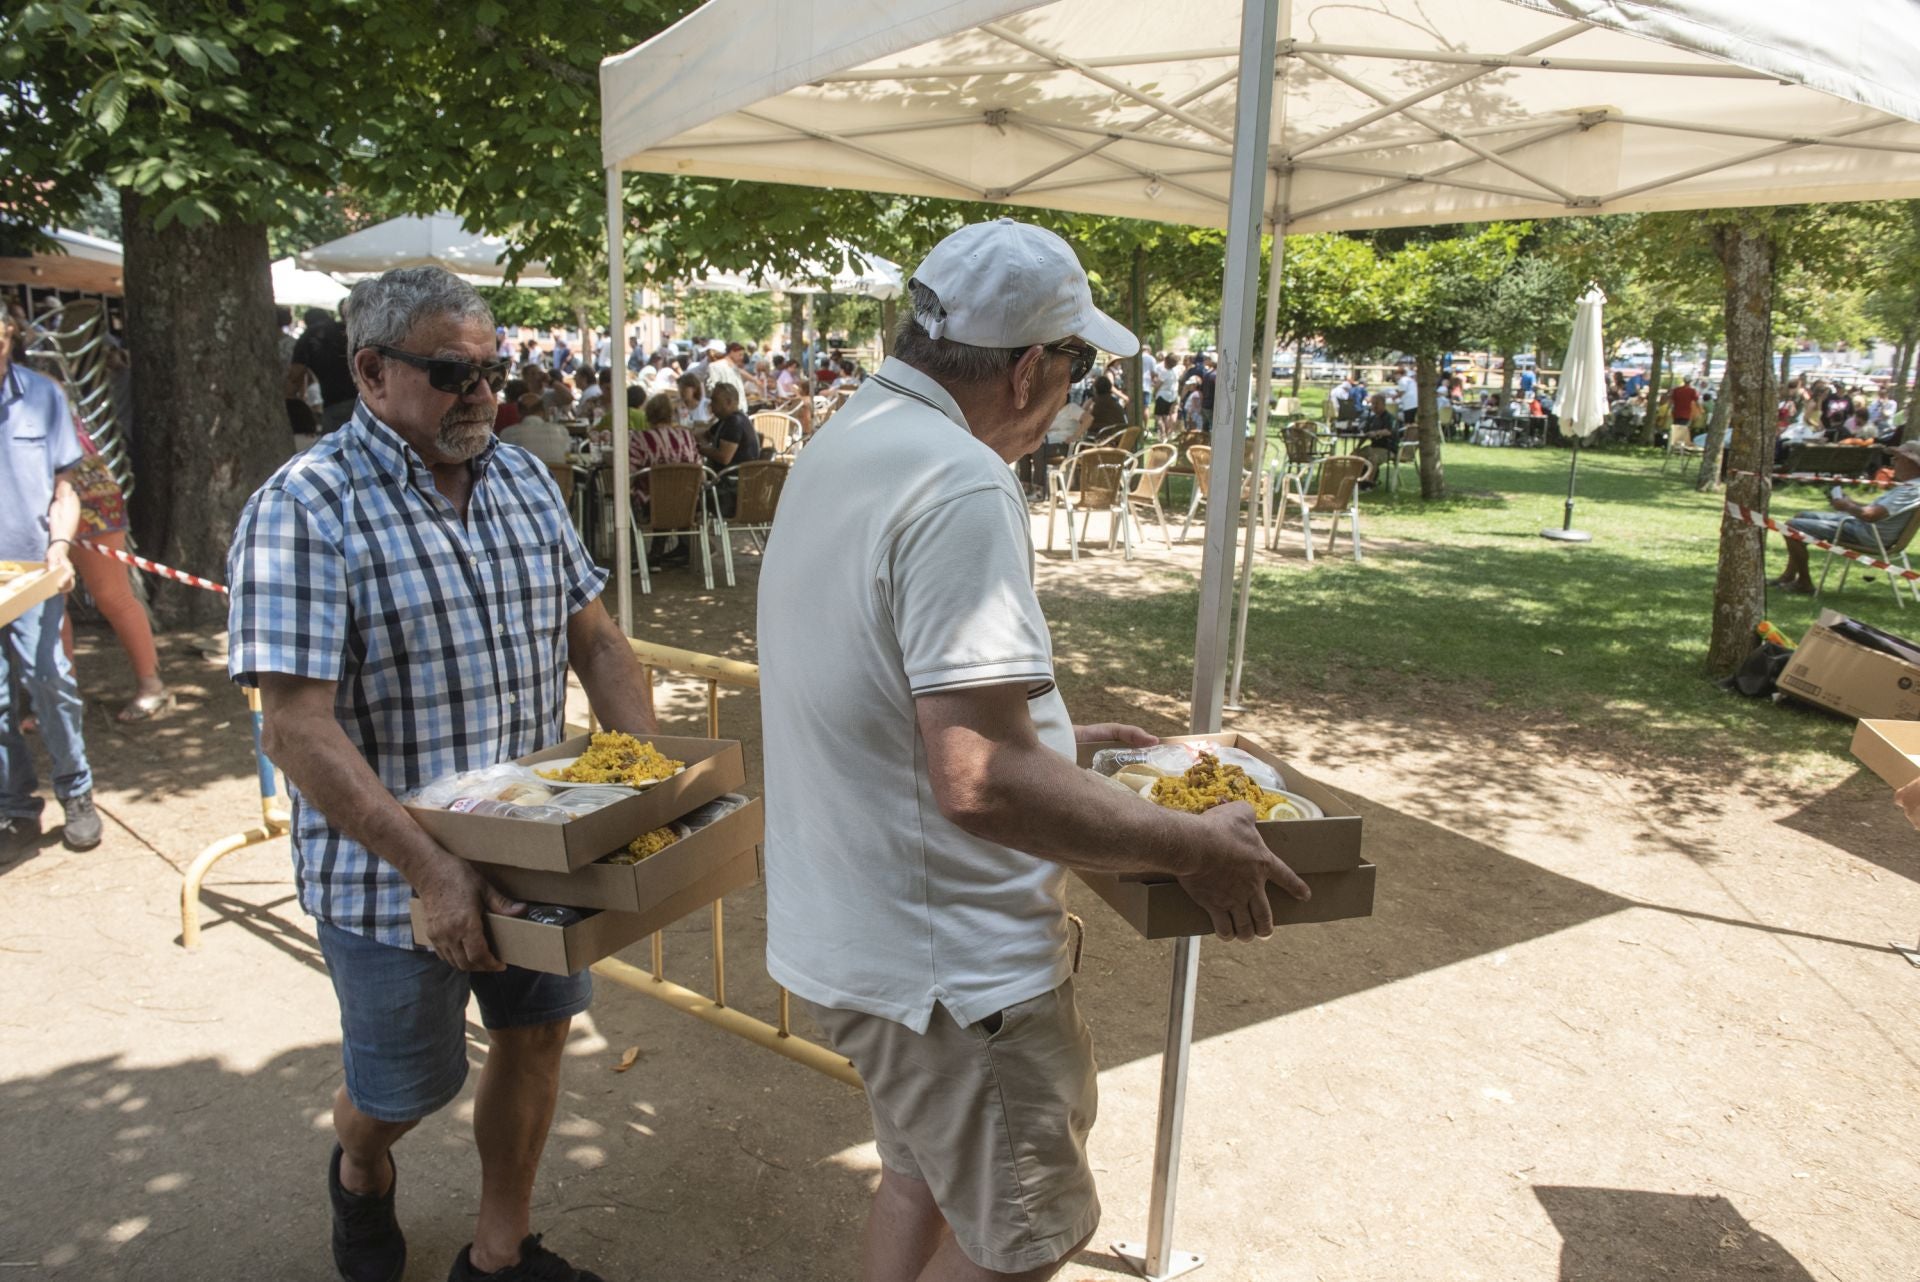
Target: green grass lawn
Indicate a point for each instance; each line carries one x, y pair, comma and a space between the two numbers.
1464, 599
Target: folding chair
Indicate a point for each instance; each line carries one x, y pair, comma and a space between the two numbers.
1894, 553
1680, 445
757, 487
1091, 481
1406, 454
1338, 495
1146, 473
676, 506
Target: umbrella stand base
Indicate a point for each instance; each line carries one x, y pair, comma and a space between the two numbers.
1567, 536
1135, 1256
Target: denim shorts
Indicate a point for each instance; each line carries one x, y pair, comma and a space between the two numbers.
403, 1019
1834, 527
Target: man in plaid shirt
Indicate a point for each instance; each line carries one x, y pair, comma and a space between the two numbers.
407, 595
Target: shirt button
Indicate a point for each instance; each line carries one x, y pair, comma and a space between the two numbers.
512, 699
473, 560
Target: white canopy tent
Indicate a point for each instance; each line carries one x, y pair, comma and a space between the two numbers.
294, 286
1271, 115
431, 240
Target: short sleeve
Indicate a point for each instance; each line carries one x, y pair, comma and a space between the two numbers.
958, 580
288, 610
584, 580
63, 442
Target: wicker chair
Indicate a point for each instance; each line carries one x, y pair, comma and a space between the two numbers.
1146, 474
1337, 495
677, 506
1255, 489
779, 428
1092, 481
757, 486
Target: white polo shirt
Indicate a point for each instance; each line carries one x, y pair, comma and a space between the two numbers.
900, 564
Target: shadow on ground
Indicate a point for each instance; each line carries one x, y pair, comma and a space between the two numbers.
1611, 1235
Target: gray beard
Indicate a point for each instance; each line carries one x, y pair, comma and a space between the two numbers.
462, 438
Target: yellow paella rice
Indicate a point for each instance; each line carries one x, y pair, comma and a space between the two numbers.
614, 757
647, 843
1209, 782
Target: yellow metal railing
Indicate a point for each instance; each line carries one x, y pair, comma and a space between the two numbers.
716, 672
273, 823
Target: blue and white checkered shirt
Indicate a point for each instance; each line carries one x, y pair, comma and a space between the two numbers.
448, 640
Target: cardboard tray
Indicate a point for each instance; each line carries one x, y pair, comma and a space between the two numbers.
23, 585
714, 767
1891, 749
567, 950
1326, 853
639, 887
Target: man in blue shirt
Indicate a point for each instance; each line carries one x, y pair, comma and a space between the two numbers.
39, 514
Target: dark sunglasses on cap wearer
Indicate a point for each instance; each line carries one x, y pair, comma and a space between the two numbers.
447, 375
1082, 354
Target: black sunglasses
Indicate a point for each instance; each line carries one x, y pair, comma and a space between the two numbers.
1082, 354
446, 375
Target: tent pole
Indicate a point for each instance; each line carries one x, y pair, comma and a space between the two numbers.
1263, 400
1261, 25
617, 322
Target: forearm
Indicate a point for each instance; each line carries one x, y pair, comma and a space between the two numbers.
616, 688
63, 515
332, 775
1033, 799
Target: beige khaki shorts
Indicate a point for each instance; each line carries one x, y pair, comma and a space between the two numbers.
995, 1123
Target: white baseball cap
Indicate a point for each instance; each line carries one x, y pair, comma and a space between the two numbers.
717, 347
1011, 284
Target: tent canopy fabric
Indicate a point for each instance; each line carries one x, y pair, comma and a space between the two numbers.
1388, 112
431, 240
294, 287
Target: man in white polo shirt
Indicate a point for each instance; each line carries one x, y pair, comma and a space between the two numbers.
923, 805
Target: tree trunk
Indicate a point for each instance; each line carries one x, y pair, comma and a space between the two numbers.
889, 322
1746, 250
1652, 420
1299, 367
1786, 364
1710, 478
796, 326
1909, 390
1433, 477
1506, 378
207, 381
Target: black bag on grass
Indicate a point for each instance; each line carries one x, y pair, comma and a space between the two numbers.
1757, 675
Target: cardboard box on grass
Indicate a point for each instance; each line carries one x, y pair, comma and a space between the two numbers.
23, 585
567, 950
1891, 749
1831, 671
1324, 852
634, 888
715, 767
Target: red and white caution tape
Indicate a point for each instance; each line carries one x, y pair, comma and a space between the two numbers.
1832, 478
154, 567
1752, 517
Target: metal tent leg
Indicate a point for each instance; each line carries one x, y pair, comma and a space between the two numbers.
1156, 1259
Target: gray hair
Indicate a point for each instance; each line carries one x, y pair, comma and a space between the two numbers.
941, 359
381, 312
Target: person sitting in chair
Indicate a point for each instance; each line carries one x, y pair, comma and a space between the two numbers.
1854, 524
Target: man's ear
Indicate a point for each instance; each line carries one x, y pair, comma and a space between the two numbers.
369, 368
1025, 370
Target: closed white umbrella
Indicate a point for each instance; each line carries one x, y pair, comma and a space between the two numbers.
293, 286
1583, 397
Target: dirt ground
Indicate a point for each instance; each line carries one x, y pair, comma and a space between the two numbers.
1612, 1019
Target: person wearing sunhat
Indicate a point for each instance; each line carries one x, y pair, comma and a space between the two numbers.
923, 803
1853, 523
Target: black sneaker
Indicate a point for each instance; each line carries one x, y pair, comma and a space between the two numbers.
83, 823
18, 835
367, 1243
537, 1264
